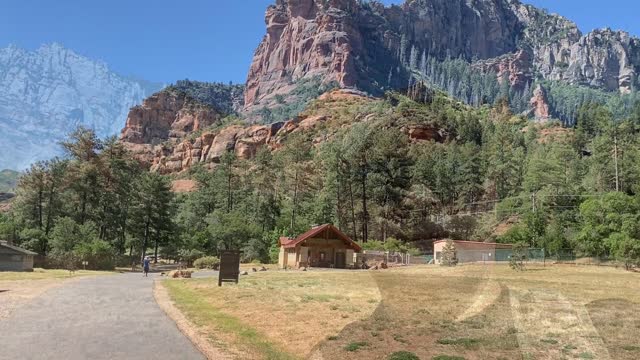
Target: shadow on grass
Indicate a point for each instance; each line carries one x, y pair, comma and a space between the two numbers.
618, 323
417, 314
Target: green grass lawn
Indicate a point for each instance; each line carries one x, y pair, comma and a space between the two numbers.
42, 274
244, 338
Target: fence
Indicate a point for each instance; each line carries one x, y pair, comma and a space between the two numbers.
387, 257
464, 256
573, 257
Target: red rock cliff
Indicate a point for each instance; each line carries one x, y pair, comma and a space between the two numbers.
166, 115
305, 38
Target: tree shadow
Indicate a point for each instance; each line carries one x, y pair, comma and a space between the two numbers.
419, 313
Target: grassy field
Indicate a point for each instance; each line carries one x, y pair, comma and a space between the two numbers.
468, 312
42, 274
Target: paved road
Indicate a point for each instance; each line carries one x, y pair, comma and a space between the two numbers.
107, 317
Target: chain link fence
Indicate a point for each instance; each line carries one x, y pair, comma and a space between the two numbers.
464, 256
573, 257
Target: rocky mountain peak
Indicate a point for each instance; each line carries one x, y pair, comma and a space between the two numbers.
46, 93
374, 48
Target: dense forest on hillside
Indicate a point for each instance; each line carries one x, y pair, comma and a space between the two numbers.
560, 188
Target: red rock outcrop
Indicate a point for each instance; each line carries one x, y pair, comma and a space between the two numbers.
367, 45
166, 115
304, 38
208, 148
540, 105
178, 154
425, 133
184, 186
516, 68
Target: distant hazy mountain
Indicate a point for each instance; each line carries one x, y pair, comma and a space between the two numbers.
8, 180
46, 93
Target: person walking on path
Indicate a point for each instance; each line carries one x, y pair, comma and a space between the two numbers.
145, 266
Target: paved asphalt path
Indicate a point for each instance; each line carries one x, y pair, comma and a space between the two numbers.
105, 317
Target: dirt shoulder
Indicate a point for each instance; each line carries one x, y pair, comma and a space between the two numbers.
16, 293
189, 329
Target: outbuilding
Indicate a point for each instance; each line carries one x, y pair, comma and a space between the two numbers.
13, 258
322, 246
474, 251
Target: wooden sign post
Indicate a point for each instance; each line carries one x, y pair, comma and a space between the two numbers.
229, 266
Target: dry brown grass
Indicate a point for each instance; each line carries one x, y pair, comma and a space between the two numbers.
473, 311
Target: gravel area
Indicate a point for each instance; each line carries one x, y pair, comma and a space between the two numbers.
105, 317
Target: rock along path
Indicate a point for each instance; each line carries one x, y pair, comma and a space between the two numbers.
106, 317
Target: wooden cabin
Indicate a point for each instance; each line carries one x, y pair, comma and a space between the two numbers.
322, 246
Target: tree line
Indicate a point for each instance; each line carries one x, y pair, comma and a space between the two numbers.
564, 188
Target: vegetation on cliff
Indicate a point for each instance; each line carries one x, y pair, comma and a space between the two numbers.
225, 98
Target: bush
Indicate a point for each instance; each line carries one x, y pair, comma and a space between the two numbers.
391, 244
98, 254
518, 256
189, 256
449, 254
207, 262
355, 346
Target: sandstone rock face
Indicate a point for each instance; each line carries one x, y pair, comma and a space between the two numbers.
304, 38
605, 59
166, 115
207, 149
358, 45
540, 105
367, 45
515, 68
178, 153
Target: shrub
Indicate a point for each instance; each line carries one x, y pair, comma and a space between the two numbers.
518, 256
99, 254
449, 254
465, 342
355, 346
189, 256
403, 355
207, 262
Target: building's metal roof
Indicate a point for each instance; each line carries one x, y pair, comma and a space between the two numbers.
4, 244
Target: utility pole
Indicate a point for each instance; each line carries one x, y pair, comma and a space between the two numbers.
615, 158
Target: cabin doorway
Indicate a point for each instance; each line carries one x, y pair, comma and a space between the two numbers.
341, 260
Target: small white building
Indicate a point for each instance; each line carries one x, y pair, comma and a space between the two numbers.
474, 251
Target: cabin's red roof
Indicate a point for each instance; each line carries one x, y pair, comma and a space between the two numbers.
291, 243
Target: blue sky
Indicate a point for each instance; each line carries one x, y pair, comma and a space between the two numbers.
211, 40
